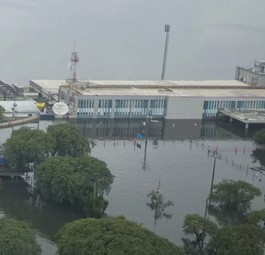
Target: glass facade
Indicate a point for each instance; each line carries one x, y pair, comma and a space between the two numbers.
210, 108
104, 107
157, 107
85, 107
131, 107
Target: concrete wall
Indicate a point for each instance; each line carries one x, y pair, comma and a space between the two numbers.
184, 108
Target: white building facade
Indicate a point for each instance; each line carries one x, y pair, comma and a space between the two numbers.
160, 99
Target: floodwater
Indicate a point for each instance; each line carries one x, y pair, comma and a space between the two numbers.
180, 161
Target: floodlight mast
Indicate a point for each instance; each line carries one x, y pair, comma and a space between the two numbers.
167, 28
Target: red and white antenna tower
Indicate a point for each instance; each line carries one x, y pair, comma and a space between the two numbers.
74, 60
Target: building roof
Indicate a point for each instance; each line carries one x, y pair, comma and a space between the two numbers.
171, 88
176, 92
161, 83
50, 84
22, 106
86, 84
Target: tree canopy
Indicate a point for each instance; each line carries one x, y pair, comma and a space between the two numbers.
111, 236
196, 225
82, 181
25, 146
34, 146
66, 140
259, 137
233, 195
257, 217
238, 240
16, 237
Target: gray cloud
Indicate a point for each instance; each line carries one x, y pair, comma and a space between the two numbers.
125, 39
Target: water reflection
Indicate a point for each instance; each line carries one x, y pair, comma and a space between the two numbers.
17, 201
180, 158
158, 129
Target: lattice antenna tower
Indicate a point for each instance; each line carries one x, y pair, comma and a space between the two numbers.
74, 60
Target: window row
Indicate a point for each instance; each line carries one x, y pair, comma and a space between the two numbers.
123, 107
210, 108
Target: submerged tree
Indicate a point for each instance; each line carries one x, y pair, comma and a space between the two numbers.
111, 236
233, 195
66, 140
16, 237
259, 137
78, 181
196, 225
26, 146
158, 204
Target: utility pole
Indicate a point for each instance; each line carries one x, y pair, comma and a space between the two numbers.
215, 155
167, 28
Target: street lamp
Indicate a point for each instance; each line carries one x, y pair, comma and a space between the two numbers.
215, 155
13, 110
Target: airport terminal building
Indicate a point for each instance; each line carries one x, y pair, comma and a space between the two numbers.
161, 99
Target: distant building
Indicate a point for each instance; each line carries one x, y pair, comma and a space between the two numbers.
6, 91
160, 99
19, 109
254, 76
46, 88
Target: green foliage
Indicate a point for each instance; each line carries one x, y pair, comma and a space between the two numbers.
259, 137
196, 225
257, 217
158, 204
66, 140
111, 236
16, 237
34, 146
2, 110
25, 146
234, 195
226, 217
238, 240
82, 181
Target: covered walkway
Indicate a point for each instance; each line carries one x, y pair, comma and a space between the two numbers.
245, 116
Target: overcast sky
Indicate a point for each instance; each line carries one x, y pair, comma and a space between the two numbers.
124, 39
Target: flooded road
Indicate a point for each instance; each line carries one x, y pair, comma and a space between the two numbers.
183, 167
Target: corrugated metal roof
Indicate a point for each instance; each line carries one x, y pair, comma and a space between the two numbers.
55, 84
176, 92
168, 83
210, 83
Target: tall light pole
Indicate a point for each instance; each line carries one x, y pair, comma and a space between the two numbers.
215, 155
167, 28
